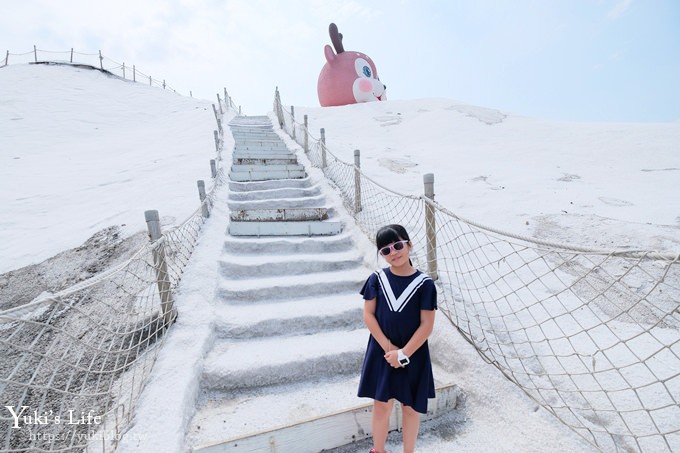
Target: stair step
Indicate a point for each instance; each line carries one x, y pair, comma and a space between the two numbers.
265, 159
236, 266
279, 215
278, 203
265, 168
293, 418
288, 245
269, 289
292, 317
266, 175
219, 420
298, 228
262, 362
275, 194
247, 186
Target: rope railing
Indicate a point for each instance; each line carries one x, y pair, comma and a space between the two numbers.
97, 61
592, 335
75, 362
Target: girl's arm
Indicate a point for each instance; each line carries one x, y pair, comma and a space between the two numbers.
419, 337
374, 327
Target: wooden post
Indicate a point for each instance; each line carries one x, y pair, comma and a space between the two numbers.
306, 135
219, 102
226, 100
430, 227
215, 112
213, 168
101, 60
71, 54
357, 181
201, 195
162, 277
217, 141
292, 120
35, 53
323, 148
219, 126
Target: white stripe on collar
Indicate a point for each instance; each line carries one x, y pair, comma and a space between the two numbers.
398, 304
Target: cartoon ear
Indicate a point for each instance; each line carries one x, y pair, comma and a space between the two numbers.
330, 55
336, 38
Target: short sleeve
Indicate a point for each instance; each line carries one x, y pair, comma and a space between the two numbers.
428, 296
370, 289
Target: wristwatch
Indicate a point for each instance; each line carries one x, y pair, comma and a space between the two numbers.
401, 357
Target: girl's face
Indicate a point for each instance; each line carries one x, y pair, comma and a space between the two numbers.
397, 258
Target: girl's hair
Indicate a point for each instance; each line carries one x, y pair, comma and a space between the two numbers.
389, 234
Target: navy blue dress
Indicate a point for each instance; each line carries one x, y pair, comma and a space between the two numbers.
398, 304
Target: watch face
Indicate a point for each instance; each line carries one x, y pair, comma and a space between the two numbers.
403, 361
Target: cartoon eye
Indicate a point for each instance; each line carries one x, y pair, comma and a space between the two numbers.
363, 68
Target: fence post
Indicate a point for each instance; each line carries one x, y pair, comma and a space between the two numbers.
292, 120
239, 109
101, 60
357, 181
163, 83
217, 141
213, 168
226, 100
219, 102
219, 126
71, 54
323, 148
123, 70
215, 112
201, 195
134, 73
150, 82
6, 58
430, 227
162, 277
306, 135
35, 53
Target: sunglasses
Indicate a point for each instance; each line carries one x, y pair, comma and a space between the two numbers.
396, 247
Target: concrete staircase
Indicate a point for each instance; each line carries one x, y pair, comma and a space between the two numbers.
289, 337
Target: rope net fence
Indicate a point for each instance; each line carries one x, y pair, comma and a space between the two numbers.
591, 335
74, 362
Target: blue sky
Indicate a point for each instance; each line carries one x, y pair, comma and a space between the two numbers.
578, 60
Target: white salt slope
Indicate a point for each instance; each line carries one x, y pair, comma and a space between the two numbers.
82, 150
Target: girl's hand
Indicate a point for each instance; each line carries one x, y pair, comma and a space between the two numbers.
393, 359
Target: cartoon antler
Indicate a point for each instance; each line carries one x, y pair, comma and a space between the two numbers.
336, 38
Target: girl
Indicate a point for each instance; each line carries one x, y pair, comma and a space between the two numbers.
399, 312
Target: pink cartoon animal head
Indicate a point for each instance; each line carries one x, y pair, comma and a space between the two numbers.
347, 77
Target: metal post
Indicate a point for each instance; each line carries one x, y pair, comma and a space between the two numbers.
101, 60
219, 102
7, 58
163, 83
430, 227
134, 73
201, 195
217, 141
162, 277
306, 135
213, 168
150, 82
292, 120
323, 148
71, 54
35, 53
239, 109
123, 70
357, 181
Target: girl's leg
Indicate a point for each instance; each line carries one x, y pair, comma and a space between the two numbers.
410, 426
381, 423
